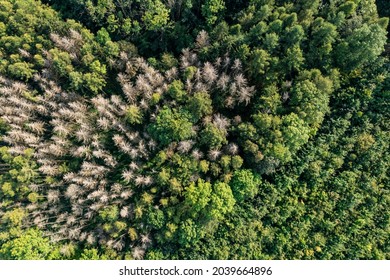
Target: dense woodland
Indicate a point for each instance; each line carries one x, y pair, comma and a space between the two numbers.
186, 129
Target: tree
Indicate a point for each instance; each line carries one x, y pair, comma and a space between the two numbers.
212, 10
259, 63
213, 137
156, 16
193, 130
222, 201
200, 105
176, 90
244, 184
197, 196
171, 125
29, 245
363, 45
134, 115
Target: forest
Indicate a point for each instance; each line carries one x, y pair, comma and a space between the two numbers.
189, 129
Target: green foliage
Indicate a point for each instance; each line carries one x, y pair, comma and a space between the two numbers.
134, 115
200, 105
14, 217
109, 214
260, 62
197, 196
156, 16
213, 137
156, 218
245, 185
176, 90
222, 201
361, 47
171, 125
22, 24
189, 233
212, 9
194, 129
29, 245
91, 254
21, 70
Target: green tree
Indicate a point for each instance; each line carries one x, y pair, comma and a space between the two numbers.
156, 16
29, 245
244, 184
222, 201
212, 9
200, 105
213, 137
171, 125
365, 44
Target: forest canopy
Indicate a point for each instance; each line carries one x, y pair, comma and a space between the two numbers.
211, 129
